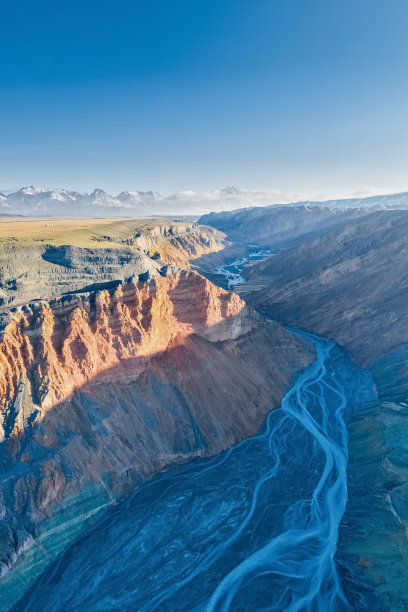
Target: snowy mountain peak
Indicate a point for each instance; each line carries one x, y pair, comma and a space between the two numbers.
232, 190
130, 196
32, 190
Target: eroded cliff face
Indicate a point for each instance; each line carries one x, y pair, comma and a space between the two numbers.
56, 348
29, 272
104, 389
184, 248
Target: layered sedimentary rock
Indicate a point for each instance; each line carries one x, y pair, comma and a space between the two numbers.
31, 269
56, 348
192, 245
29, 272
106, 388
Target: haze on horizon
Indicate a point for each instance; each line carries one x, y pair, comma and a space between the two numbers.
306, 98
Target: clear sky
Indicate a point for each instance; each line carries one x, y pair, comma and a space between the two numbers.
310, 96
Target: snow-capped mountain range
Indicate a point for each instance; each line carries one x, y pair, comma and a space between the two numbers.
34, 201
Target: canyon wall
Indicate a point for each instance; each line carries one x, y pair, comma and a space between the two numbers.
57, 347
339, 273
105, 388
349, 283
190, 246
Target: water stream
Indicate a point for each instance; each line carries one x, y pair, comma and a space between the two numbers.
230, 272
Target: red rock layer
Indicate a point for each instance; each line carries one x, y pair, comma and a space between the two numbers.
58, 347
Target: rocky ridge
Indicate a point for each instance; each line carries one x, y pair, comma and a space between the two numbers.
279, 226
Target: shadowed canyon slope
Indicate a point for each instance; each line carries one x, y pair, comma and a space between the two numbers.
349, 283
276, 226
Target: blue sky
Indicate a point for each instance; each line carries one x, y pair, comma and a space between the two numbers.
310, 96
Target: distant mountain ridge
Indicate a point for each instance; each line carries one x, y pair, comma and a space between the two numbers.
43, 202
34, 201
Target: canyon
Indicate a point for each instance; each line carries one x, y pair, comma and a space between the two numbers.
105, 386
152, 415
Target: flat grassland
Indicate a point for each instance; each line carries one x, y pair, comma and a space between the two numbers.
91, 233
